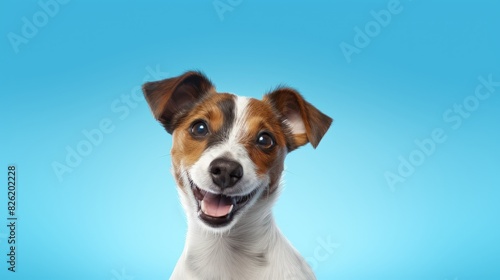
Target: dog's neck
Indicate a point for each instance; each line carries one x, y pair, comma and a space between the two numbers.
242, 250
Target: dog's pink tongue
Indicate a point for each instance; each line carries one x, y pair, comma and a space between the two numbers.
216, 205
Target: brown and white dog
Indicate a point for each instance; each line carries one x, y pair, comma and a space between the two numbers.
228, 154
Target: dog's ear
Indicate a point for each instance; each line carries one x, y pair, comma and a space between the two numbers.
306, 123
171, 98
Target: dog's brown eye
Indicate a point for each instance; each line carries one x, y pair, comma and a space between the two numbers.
265, 141
199, 129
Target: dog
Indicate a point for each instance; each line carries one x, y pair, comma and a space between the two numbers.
228, 155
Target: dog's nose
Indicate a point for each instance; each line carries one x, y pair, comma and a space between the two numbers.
225, 172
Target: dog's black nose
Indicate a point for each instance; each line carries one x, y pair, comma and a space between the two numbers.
225, 172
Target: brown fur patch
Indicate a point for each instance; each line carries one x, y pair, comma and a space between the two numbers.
288, 102
261, 117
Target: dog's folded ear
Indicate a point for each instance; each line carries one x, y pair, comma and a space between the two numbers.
306, 123
171, 98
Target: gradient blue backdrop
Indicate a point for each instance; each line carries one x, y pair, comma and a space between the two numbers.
117, 215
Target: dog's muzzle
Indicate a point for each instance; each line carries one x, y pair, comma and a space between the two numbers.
217, 209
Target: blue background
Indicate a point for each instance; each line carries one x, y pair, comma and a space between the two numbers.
116, 215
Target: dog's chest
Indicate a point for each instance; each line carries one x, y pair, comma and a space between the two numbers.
227, 259
223, 259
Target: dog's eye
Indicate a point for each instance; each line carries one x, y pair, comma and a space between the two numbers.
265, 141
199, 129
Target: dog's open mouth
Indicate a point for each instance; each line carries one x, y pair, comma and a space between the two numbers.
217, 209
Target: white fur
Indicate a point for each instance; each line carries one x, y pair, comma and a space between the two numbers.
251, 246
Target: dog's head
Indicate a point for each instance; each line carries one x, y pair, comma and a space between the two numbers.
228, 151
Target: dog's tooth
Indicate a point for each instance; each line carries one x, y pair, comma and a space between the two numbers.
203, 209
230, 208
